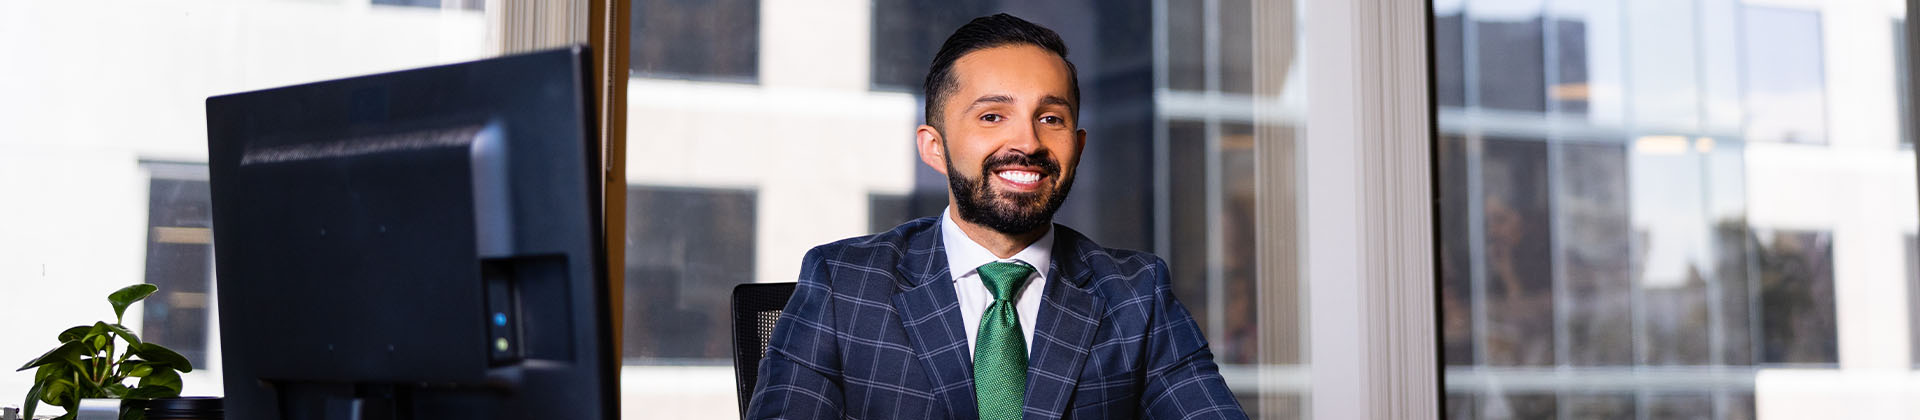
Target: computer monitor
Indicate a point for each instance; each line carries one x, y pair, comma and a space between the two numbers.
423, 244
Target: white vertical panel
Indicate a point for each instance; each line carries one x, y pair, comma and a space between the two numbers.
1368, 215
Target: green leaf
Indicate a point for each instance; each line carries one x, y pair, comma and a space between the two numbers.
59, 391
123, 332
52, 370
74, 333
116, 390
152, 392
126, 296
33, 397
136, 368
157, 354
66, 351
162, 378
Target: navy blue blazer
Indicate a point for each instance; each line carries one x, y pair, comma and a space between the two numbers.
873, 331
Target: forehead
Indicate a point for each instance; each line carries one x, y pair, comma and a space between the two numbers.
1026, 72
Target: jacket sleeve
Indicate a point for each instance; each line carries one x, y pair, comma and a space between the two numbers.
800, 376
1182, 380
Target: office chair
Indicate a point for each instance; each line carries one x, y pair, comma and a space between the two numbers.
756, 307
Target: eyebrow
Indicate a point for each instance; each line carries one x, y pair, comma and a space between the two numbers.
1055, 100
1004, 99
1000, 99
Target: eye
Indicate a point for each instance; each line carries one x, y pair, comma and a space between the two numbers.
992, 117
1053, 119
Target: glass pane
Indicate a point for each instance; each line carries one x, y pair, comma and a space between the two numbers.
718, 40
103, 147
1600, 406
1663, 63
1796, 297
1512, 74
700, 243
1594, 210
1459, 345
1518, 406
1786, 80
1518, 254
180, 264
1711, 193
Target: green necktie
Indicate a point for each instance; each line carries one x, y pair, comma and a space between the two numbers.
1000, 351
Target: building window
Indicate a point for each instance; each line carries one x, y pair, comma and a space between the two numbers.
907, 33
179, 260
705, 40
1797, 324
1786, 79
686, 249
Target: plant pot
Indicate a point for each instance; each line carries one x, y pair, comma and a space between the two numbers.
99, 409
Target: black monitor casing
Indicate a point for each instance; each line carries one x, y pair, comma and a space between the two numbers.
423, 244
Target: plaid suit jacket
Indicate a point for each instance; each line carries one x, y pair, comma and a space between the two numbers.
873, 331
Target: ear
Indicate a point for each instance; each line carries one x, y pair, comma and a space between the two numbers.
933, 150
1079, 145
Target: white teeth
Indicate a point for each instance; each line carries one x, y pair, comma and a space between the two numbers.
1023, 177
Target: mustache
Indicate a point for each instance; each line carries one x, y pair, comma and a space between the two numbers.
1046, 164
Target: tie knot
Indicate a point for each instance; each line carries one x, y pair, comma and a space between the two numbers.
1003, 278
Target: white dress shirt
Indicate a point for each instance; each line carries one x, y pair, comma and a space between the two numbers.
964, 258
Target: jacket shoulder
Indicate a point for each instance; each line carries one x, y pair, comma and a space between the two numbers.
867, 250
1115, 272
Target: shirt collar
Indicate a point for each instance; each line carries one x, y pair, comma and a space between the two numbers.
964, 255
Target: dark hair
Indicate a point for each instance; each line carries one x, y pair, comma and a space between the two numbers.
989, 32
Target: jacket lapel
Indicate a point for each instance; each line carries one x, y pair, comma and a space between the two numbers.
1069, 316
930, 312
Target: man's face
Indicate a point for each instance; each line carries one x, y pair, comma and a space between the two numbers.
1008, 143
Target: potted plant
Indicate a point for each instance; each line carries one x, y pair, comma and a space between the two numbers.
91, 363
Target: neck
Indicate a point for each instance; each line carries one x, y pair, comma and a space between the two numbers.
1002, 245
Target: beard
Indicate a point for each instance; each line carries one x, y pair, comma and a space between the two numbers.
1008, 212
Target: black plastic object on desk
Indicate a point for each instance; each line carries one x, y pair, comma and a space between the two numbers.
185, 408
424, 244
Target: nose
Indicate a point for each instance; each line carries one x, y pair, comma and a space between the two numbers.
1026, 141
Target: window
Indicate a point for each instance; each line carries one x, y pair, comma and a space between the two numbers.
685, 39
906, 34
1642, 192
1786, 80
179, 260
699, 243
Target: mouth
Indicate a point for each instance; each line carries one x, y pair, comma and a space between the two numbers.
1020, 179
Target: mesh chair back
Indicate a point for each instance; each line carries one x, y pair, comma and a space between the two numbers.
756, 307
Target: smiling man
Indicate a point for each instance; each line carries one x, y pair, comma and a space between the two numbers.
990, 310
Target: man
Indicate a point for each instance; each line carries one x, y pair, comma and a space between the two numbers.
990, 311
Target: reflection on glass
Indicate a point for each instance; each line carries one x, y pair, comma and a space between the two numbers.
1518, 406
698, 244
1662, 63
1785, 83
179, 262
1519, 265
1796, 296
1593, 207
700, 40
1680, 406
1649, 192
1512, 75
1613, 406
1457, 297
1671, 261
